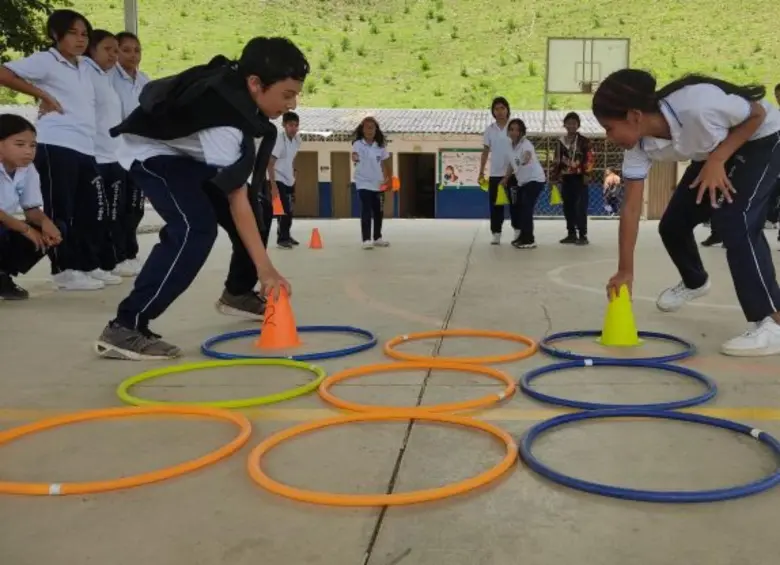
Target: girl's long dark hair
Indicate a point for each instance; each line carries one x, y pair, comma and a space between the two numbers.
520, 124
95, 38
379, 137
14, 124
60, 22
634, 89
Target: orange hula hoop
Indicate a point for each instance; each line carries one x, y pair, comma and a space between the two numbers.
396, 499
54, 489
432, 363
532, 348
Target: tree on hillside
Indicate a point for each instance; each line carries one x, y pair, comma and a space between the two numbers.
22, 29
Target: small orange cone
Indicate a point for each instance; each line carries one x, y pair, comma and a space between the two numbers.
279, 330
278, 208
316, 241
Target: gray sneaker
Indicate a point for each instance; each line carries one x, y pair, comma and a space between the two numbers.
118, 342
250, 306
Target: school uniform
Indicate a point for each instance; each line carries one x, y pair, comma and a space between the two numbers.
108, 245
189, 144
285, 151
368, 177
573, 159
530, 178
699, 118
19, 191
495, 138
129, 90
65, 160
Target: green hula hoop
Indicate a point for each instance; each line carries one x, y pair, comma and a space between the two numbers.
125, 396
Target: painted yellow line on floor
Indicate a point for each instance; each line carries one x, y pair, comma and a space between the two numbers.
497, 414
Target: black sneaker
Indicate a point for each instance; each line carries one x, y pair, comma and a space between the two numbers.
250, 306
9, 290
582, 240
520, 243
569, 239
294, 241
285, 244
119, 342
712, 240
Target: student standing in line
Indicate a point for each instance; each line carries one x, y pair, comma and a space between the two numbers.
530, 178
128, 80
496, 145
281, 176
65, 158
732, 138
22, 242
101, 60
573, 162
190, 146
372, 170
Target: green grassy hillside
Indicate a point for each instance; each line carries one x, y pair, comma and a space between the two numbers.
453, 53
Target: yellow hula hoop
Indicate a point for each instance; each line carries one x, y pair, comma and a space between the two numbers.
125, 396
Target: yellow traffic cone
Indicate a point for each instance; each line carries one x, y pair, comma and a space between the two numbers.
501, 197
619, 326
555, 196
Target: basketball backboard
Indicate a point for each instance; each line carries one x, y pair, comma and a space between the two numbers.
575, 65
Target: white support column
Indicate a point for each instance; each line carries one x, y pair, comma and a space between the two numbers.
131, 16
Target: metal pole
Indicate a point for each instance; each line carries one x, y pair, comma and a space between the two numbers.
131, 16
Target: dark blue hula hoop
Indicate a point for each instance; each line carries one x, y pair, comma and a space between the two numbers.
532, 375
675, 497
544, 345
208, 351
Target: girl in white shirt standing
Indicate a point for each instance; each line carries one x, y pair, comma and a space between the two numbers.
496, 145
372, 170
65, 158
102, 57
732, 138
529, 174
128, 82
22, 242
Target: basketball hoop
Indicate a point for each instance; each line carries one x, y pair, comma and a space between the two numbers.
586, 86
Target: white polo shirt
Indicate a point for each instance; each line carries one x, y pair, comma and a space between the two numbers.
219, 147
20, 191
699, 118
128, 88
525, 163
285, 151
498, 141
72, 86
369, 174
108, 111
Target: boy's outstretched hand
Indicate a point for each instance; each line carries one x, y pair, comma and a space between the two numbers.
272, 284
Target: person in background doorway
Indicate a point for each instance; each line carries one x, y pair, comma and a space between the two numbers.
22, 242
496, 145
101, 60
530, 178
573, 162
611, 191
65, 158
281, 176
128, 81
372, 170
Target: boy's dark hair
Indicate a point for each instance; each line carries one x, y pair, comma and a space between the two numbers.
290, 117
520, 123
500, 100
95, 38
61, 21
572, 116
127, 35
634, 89
273, 59
777, 86
379, 137
13, 124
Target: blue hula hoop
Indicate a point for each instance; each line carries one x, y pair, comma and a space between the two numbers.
675, 497
208, 346
532, 375
544, 345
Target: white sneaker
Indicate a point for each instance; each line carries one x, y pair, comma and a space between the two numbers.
760, 340
368, 245
128, 268
496, 239
76, 280
381, 243
105, 277
517, 234
672, 299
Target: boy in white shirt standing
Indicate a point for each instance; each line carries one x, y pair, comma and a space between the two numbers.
281, 176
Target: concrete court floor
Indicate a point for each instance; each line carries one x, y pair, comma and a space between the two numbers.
434, 273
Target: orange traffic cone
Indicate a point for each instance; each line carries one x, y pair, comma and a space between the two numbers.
277, 205
279, 330
316, 241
